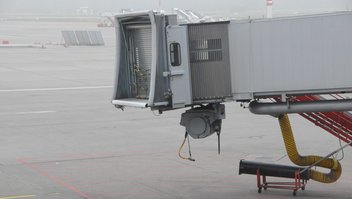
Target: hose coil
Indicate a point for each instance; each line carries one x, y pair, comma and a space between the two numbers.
296, 158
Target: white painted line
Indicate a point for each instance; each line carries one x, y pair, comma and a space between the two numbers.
54, 89
16, 197
22, 46
34, 112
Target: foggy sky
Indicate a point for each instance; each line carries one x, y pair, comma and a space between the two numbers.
206, 6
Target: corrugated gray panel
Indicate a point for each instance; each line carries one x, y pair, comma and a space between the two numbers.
301, 55
69, 37
209, 59
83, 38
141, 44
96, 38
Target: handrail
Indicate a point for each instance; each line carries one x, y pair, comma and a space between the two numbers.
326, 157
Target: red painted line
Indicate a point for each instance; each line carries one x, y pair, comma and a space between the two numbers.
55, 179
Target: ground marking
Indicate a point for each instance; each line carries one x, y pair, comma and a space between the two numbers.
53, 178
15, 197
54, 89
34, 112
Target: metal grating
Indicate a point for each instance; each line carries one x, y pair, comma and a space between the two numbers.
209, 60
83, 38
206, 50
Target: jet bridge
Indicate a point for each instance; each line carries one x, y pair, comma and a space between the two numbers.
164, 65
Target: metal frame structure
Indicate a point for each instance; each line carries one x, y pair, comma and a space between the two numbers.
297, 184
202, 65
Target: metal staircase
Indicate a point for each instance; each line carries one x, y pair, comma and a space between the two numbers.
338, 124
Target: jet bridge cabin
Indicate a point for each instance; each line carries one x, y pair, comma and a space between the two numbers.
165, 65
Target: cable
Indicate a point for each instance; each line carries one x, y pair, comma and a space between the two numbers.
179, 150
342, 152
189, 148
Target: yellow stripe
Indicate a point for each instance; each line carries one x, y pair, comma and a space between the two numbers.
24, 196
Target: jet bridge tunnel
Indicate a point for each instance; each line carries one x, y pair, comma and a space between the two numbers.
163, 65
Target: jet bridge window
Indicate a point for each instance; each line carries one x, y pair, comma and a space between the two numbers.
175, 54
206, 50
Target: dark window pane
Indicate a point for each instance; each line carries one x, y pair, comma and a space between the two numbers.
175, 54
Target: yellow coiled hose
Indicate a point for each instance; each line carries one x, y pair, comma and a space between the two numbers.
296, 158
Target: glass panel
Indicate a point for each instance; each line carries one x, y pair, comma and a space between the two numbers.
175, 54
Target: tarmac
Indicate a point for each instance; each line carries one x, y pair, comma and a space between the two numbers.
62, 138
